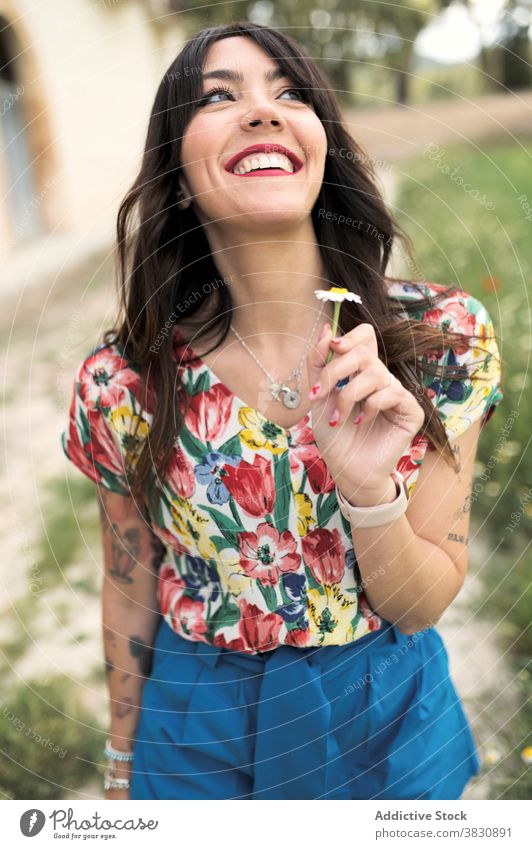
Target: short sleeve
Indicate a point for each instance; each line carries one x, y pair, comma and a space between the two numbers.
477, 393
94, 438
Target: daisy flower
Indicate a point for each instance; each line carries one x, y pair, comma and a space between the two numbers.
526, 755
337, 294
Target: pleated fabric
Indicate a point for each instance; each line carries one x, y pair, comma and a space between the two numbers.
378, 718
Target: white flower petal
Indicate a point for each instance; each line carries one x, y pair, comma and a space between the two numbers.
327, 295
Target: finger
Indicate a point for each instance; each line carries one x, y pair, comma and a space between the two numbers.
343, 366
374, 378
362, 334
393, 399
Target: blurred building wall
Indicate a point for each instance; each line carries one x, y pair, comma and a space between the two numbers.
77, 82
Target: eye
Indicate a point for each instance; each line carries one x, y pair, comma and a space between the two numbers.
217, 90
222, 90
298, 91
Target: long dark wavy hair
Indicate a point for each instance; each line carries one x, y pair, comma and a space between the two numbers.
163, 256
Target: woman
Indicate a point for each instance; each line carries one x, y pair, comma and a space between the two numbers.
272, 578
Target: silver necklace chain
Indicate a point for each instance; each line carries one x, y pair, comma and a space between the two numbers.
290, 397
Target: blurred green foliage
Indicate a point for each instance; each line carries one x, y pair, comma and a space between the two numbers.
484, 247
49, 741
477, 234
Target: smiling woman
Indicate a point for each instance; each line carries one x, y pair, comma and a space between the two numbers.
267, 591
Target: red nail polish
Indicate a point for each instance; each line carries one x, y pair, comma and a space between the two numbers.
315, 389
359, 418
334, 419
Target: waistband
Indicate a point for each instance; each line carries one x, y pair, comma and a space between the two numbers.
295, 751
317, 656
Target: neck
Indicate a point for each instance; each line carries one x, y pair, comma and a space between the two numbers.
272, 283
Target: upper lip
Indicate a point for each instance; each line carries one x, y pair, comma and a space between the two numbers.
267, 147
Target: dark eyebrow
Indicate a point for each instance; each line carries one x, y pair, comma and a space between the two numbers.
236, 77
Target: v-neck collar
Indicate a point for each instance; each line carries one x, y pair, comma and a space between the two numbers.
182, 343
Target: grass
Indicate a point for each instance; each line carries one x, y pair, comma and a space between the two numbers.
481, 242
51, 744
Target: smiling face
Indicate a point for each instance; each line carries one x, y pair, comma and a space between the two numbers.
226, 188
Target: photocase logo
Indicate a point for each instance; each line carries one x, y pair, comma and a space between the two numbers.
32, 822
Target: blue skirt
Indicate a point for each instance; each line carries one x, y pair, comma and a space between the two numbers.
378, 718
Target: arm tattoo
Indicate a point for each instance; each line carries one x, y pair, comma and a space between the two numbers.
143, 652
456, 452
123, 708
465, 508
457, 538
124, 558
108, 665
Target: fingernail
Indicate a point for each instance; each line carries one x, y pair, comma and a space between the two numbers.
314, 391
334, 419
359, 418
322, 334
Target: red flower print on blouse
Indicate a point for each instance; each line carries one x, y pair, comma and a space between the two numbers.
259, 630
99, 380
252, 485
209, 412
181, 473
464, 322
374, 621
190, 615
237, 644
317, 472
411, 461
324, 554
100, 449
297, 638
267, 552
169, 583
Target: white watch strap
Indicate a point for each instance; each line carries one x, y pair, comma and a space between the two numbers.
379, 514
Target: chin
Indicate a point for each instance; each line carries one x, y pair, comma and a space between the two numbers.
273, 216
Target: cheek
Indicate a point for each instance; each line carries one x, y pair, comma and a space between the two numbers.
314, 139
196, 150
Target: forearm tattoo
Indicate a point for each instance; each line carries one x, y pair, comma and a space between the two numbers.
125, 551
143, 652
456, 452
123, 707
458, 538
465, 508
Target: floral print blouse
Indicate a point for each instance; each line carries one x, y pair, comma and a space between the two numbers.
258, 552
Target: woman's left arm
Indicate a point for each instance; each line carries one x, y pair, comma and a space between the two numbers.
424, 552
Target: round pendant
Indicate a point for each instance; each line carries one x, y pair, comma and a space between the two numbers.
291, 398
275, 389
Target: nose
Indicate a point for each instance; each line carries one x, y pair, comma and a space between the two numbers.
261, 115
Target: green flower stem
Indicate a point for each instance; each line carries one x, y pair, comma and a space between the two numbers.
336, 316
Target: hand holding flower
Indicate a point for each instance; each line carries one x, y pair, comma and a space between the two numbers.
359, 456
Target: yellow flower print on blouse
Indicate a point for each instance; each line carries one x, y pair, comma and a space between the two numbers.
124, 422
231, 576
259, 432
190, 525
305, 517
330, 614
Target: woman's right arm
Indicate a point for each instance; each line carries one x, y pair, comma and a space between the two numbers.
130, 614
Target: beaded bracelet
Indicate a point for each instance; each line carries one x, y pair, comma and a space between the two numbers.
115, 754
112, 783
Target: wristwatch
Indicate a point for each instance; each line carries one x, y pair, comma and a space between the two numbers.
380, 514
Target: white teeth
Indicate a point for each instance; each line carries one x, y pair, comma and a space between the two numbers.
264, 160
